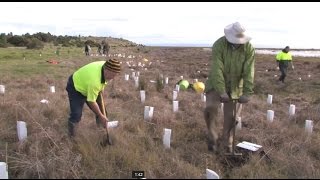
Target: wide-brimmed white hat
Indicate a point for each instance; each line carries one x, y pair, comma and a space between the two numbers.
235, 33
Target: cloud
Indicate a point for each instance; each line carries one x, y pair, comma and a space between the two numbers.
116, 19
166, 22
23, 28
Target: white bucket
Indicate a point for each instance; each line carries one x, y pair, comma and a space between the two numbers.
52, 89
175, 106
292, 110
3, 171
167, 80
309, 126
2, 89
211, 174
269, 100
270, 115
166, 137
181, 77
126, 77
21, 130
112, 124
142, 96
174, 95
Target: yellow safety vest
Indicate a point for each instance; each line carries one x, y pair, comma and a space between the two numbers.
282, 56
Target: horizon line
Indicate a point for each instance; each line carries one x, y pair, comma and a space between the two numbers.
210, 46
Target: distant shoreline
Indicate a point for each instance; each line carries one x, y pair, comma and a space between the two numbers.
203, 46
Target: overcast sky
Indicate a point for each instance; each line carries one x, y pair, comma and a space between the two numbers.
269, 24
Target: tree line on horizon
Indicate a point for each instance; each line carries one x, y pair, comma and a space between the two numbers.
38, 40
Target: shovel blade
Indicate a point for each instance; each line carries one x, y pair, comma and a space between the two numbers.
106, 141
233, 154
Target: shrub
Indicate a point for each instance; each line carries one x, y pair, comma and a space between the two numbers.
17, 40
55, 43
35, 43
3, 40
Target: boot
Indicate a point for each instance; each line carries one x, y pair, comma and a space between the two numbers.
71, 129
229, 149
212, 146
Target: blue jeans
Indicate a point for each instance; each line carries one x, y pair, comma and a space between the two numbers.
76, 101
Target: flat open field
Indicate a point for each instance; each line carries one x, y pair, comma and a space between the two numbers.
49, 153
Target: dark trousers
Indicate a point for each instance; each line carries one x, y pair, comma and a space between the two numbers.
76, 101
283, 66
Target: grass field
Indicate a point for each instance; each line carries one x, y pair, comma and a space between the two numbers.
49, 153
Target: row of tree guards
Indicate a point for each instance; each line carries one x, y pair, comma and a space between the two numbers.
148, 111
292, 111
3, 89
148, 114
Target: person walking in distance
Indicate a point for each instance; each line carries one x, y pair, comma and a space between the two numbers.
283, 59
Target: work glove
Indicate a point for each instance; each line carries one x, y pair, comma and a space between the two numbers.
243, 99
224, 98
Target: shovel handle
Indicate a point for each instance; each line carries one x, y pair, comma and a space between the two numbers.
102, 105
103, 109
104, 112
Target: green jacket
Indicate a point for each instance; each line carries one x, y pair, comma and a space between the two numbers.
231, 70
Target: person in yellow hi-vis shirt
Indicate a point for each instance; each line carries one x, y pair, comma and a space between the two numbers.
283, 58
85, 86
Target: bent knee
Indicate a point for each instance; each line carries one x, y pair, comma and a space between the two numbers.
209, 112
75, 117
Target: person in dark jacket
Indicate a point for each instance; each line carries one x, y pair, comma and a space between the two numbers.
87, 49
106, 48
283, 59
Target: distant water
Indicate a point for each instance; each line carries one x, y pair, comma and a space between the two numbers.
206, 47
295, 53
180, 45
301, 53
